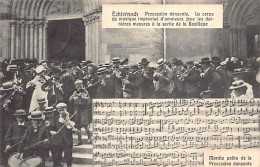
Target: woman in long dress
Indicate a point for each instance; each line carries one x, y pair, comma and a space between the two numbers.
38, 93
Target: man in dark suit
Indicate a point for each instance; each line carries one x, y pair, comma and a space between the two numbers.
191, 81
147, 85
34, 141
15, 132
62, 137
117, 77
211, 81
105, 88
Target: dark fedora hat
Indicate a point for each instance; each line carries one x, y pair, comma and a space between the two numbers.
36, 115
216, 59
144, 61
205, 60
7, 86
20, 112
101, 70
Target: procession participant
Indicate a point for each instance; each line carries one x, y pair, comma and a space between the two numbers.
134, 80
37, 83
49, 121
239, 90
35, 139
178, 78
116, 75
163, 77
191, 81
108, 66
81, 103
61, 140
223, 74
210, 81
16, 131
91, 80
105, 87
44, 63
147, 86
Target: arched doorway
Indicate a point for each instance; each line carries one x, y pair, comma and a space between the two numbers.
66, 40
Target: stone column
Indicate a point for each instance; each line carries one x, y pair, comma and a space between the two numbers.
93, 40
40, 25
44, 46
97, 36
36, 39
26, 40
18, 40
12, 25
87, 32
31, 26
22, 39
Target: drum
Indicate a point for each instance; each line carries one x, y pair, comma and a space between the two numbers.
14, 161
34, 161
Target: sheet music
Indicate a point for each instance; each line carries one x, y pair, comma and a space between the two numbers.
172, 132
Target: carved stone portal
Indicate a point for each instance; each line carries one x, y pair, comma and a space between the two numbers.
61, 7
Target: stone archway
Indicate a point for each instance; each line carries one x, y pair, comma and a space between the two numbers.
243, 14
29, 23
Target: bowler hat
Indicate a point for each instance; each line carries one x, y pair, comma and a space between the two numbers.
215, 60
205, 60
20, 112
144, 61
36, 115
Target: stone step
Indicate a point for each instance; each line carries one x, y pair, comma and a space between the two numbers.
88, 149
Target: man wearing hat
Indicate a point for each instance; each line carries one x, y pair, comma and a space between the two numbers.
117, 77
108, 66
210, 80
223, 74
134, 80
34, 141
81, 103
105, 87
147, 86
42, 104
62, 140
163, 77
91, 80
16, 131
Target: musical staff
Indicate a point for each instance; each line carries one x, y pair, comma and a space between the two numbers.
171, 132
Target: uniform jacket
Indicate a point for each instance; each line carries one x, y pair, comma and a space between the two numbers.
15, 131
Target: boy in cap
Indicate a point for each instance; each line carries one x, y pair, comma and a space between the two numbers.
16, 131
81, 102
240, 90
62, 137
35, 139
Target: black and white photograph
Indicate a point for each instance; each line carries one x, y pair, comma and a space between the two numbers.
75, 93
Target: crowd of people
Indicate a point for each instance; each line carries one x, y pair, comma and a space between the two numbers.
57, 96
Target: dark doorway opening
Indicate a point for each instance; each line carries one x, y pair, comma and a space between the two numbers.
66, 40
253, 41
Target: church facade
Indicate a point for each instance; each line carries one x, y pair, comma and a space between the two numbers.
25, 30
